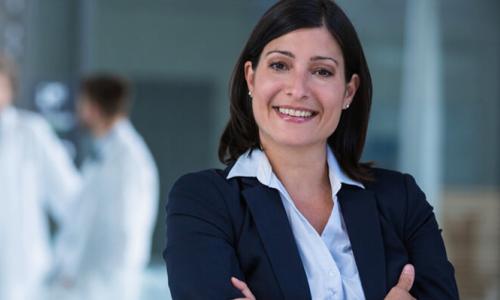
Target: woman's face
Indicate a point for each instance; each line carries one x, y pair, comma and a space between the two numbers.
299, 89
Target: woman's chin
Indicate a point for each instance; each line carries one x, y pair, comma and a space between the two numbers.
294, 142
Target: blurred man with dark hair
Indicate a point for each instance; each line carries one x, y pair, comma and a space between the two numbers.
105, 246
37, 177
104, 102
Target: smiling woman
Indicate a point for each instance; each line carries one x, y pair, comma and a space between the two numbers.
296, 215
300, 74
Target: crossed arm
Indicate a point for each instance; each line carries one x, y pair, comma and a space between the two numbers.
198, 228
401, 291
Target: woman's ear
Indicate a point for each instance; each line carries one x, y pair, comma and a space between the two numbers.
249, 75
351, 89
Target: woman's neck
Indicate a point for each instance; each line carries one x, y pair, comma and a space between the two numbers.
302, 170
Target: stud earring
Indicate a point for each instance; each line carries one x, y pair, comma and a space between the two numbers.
346, 106
250, 94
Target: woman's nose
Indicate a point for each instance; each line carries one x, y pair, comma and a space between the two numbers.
297, 85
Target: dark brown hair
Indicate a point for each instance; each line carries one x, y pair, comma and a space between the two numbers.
347, 142
109, 92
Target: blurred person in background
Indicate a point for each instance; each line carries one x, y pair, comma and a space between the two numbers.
105, 245
37, 177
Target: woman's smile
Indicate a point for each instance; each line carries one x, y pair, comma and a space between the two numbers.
295, 114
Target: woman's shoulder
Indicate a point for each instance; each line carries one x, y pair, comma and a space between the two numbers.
207, 179
203, 188
391, 181
398, 195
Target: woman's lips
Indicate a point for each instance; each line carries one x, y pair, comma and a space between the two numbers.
297, 115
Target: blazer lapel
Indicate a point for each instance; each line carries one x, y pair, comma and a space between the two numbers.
359, 209
276, 234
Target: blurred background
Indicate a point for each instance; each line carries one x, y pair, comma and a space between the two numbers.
436, 107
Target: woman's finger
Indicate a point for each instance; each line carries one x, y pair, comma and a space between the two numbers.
406, 278
242, 286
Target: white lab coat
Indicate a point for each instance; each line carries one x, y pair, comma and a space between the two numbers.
106, 244
36, 177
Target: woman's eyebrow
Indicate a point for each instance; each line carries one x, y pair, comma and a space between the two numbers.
290, 54
315, 58
287, 53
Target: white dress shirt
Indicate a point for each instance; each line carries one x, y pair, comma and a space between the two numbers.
328, 259
36, 176
106, 244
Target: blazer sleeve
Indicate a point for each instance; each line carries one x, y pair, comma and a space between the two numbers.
435, 277
199, 254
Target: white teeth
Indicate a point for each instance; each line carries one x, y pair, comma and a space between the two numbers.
295, 113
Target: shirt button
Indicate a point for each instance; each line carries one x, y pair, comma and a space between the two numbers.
331, 273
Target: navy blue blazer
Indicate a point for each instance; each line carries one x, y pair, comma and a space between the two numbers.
218, 228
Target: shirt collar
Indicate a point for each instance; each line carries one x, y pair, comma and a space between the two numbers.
335, 169
254, 163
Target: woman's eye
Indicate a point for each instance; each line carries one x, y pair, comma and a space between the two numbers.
323, 72
278, 66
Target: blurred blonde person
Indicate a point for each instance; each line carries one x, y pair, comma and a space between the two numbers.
36, 177
105, 246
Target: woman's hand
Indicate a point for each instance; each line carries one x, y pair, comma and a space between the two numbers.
242, 286
402, 290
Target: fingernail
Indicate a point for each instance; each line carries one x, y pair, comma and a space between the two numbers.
407, 269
